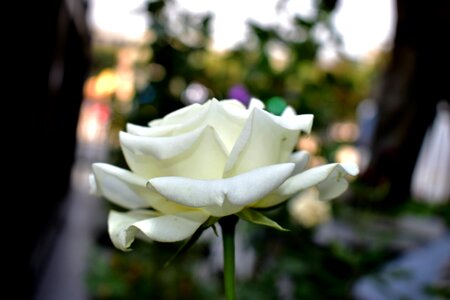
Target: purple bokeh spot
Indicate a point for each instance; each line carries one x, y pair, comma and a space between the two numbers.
240, 93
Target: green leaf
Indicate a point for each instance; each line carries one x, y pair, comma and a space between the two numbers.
253, 216
215, 230
210, 222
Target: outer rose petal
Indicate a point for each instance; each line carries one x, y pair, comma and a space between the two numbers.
224, 196
197, 154
128, 190
150, 225
301, 160
336, 183
265, 140
328, 179
93, 189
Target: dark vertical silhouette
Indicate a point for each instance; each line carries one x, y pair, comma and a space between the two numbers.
65, 67
415, 80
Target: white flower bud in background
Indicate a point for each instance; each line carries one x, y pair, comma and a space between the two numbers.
307, 210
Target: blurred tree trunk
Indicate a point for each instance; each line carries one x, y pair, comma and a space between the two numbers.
415, 80
63, 69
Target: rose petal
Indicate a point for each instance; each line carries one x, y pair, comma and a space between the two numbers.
227, 117
224, 196
152, 131
256, 103
93, 190
265, 140
206, 115
301, 160
289, 112
232, 105
128, 190
179, 116
336, 183
328, 179
150, 225
197, 154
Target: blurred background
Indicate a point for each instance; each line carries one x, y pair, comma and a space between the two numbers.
373, 73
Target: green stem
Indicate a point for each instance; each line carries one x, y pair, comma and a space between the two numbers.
228, 224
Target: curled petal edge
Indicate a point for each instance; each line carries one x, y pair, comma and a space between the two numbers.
330, 180
123, 228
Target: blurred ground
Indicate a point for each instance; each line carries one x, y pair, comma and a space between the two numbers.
83, 216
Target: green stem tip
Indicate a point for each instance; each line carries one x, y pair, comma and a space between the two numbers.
228, 225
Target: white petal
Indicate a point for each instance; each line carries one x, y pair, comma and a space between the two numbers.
255, 103
120, 228
336, 183
149, 225
233, 105
224, 196
179, 116
265, 140
328, 179
227, 117
129, 190
93, 190
160, 147
301, 160
289, 112
197, 154
151, 131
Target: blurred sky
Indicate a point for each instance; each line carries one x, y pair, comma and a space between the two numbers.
366, 25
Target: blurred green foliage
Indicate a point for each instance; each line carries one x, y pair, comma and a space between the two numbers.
180, 56
141, 274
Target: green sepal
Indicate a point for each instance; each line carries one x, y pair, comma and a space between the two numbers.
191, 241
253, 216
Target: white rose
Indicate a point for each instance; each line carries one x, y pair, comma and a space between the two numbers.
214, 159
